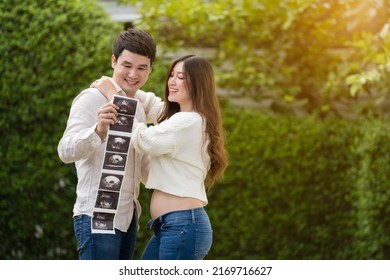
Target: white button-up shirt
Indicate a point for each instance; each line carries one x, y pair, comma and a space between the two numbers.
81, 145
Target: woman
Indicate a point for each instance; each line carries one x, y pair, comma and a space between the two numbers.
187, 155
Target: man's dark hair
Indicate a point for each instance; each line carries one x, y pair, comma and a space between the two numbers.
136, 41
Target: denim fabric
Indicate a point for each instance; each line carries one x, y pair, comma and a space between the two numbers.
98, 246
180, 235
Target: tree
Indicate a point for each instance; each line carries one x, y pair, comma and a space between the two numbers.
291, 56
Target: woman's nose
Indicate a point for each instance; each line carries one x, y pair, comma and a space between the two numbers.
171, 81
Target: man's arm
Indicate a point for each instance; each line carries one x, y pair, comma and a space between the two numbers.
85, 130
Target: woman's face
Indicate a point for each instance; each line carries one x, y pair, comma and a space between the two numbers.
178, 89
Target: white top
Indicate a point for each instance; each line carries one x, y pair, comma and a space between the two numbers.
80, 144
179, 161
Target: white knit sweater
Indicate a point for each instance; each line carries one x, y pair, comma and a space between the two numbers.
178, 154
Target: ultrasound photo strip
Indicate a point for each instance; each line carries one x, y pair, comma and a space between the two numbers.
114, 166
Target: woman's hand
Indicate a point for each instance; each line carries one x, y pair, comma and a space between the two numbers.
105, 86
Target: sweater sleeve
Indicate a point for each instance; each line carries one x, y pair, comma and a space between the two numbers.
152, 105
153, 140
160, 139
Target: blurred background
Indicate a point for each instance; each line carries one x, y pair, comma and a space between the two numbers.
304, 89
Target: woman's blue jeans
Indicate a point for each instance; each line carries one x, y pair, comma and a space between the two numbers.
179, 235
99, 246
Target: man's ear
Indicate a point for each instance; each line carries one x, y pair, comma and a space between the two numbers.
113, 61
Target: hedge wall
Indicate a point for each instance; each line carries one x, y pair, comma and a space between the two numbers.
302, 189
49, 51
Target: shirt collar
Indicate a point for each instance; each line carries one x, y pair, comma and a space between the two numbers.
117, 87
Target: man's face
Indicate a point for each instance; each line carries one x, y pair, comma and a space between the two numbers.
131, 71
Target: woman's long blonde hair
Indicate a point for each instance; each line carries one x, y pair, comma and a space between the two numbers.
201, 86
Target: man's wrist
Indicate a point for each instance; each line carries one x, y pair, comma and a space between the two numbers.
101, 134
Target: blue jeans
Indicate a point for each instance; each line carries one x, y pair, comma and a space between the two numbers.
99, 246
179, 235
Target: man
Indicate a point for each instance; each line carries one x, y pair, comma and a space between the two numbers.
84, 141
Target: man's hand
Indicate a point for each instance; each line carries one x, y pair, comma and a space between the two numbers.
106, 116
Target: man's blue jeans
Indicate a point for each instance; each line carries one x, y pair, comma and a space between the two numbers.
179, 235
98, 246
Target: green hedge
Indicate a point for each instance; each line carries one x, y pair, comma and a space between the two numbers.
302, 189
49, 51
